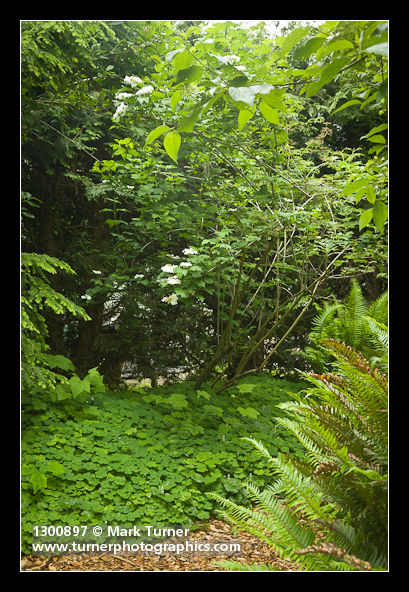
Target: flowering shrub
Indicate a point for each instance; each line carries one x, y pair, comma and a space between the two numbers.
174, 279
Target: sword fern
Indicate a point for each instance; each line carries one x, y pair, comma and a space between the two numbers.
327, 512
361, 325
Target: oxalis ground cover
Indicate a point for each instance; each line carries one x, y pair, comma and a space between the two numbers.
149, 456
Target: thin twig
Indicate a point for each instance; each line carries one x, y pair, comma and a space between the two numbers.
69, 139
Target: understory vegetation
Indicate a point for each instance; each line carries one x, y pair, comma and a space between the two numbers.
204, 281
148, 456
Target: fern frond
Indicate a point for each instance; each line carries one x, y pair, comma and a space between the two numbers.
323, 320
328, 510
284, 522
334, 551
315, 451
379, 340
302, 493
260, 448
355, 358
351, 316
254, 523
237, 566
378, 310
379, 331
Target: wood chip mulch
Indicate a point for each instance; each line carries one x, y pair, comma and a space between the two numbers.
252, 550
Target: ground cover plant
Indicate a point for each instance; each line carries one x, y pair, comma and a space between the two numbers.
147, 456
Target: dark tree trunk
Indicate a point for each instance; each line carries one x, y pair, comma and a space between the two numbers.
84, 355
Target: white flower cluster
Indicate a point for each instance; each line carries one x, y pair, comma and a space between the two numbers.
123, 95
228, 59
119, 111
168, 268
132, 80
145, 90
173, 279
172, 299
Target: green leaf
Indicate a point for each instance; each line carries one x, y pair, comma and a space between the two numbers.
155, 133
95, 379
183, 60
246, 388
274, 99
171, 54
186, 124
352, 187
112, 222
189, 75
59, 362
359, 194
269, 113
25, 469
232, 485
174, 100
239, 81
380, 214
248, 412
55, 467
338, 45
213, 410
365, 218
377, 138
382, 90
304, 51
328, 73
171, 143
62, 393
203, 394
177, 400
38, 481
381, 49
370, 194
78, 386
244, 116
293, 38
375, 130
347, 104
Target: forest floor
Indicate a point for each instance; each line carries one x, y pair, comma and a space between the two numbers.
252, 550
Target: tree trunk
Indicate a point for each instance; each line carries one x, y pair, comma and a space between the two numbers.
83, 356
218, 357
